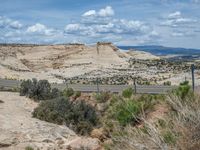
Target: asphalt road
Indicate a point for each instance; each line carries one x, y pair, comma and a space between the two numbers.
151, 89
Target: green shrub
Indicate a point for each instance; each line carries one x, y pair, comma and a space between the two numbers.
78, 115
127, 111
68, 92
41, 90
102, 97
55, 93
183, 90
127, 93
167, 83
169, 137
25, 87
77, 94
29, 148
148, 101
184, 83
38, 90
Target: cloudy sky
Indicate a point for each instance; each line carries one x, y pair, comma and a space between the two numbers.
124, 22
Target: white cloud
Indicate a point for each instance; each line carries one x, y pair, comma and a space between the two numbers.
114, 26
106, 12
101, 25
72, 27
89, 13
176, 34
16, 24
174, 15
9, 23
36, 28
177, 20
40, 29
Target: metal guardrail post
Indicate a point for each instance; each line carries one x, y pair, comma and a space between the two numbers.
97, 85
135, 88
192, 69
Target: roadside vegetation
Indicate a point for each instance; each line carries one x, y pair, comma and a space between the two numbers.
122, 121
56, 107
178, 129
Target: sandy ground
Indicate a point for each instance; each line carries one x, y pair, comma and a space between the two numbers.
18, 129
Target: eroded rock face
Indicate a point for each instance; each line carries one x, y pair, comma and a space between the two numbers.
18, 129
47, 61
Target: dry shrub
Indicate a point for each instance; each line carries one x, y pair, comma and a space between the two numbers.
139, 138
179, 130
186, 119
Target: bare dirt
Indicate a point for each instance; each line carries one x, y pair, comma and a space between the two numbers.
18, 129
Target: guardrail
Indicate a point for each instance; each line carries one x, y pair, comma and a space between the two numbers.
148, 89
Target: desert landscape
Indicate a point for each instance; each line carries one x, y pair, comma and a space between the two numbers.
100, 75
79, 63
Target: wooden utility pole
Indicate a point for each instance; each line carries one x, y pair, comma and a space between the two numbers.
192, 69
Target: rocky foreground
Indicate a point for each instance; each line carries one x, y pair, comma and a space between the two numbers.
18, 129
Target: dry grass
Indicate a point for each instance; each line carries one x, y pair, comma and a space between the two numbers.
178, 130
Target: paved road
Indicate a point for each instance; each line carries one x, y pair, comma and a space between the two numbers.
152, 89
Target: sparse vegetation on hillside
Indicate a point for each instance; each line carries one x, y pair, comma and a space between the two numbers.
178, 129
124, 119
78, 115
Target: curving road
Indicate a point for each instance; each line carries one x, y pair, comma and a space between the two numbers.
151, 89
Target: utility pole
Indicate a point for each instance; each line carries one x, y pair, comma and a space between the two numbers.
192, 69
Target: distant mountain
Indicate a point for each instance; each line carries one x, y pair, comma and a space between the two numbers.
161, 50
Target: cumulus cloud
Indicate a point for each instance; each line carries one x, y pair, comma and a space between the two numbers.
40, 29
179, 26
101, 25
177, 20
115, 26
104, 12
9, 23
89, 13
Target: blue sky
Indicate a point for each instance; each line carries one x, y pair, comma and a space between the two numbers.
124, 22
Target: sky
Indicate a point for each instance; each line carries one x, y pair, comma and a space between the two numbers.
173, 23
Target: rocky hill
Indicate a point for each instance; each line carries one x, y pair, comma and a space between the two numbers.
55, 62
